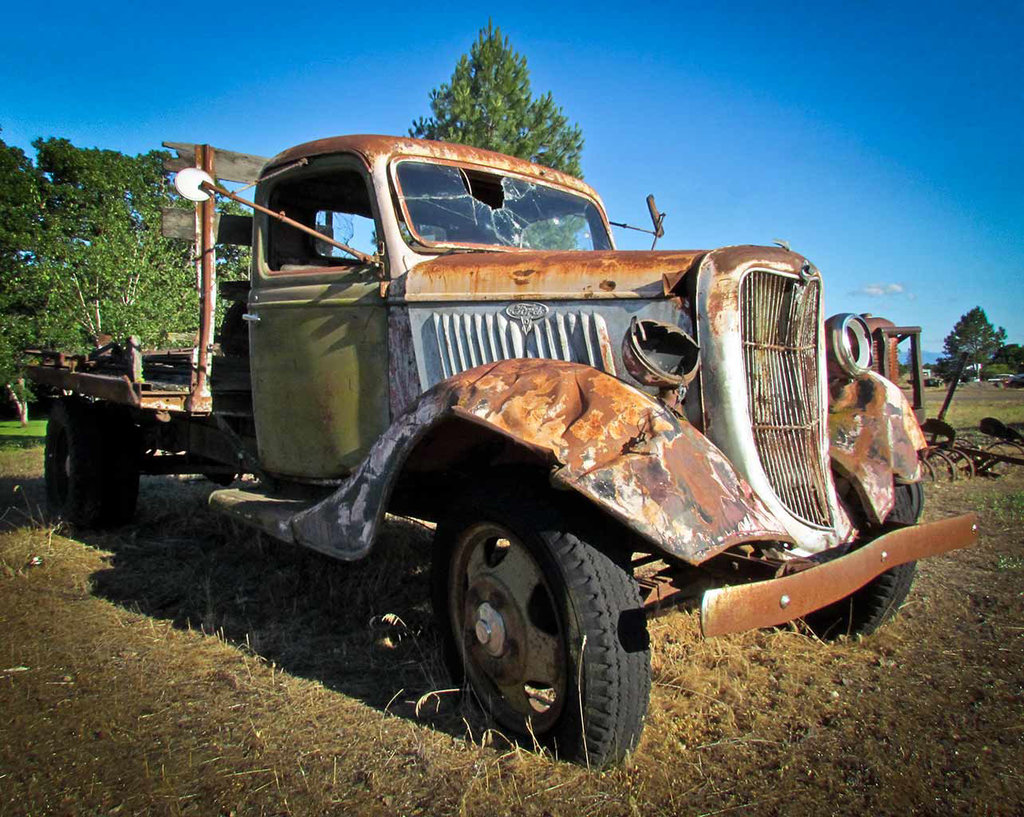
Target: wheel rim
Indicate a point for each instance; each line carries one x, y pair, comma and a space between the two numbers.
508, 629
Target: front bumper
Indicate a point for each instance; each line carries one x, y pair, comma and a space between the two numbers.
776, 601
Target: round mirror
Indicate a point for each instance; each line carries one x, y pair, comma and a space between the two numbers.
189, 183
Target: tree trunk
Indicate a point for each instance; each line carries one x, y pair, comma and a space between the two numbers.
19, 396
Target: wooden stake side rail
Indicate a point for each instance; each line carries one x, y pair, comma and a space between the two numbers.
114, 386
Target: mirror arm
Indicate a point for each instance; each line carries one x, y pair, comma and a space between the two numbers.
656, 219
360, 256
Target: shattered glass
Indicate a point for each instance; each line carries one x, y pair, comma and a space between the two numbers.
454, 205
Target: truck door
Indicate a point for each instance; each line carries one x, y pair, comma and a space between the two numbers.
317, 323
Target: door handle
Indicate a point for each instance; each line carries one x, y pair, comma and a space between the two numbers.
251, 317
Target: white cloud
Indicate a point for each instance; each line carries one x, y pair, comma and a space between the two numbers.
881, 290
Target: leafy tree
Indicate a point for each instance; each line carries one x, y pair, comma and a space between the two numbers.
21, 297
489, 104
974, 335
1010, 355
996, 370
107, 268
81, 253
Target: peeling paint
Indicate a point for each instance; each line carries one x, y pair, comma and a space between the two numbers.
615, 445
874, 437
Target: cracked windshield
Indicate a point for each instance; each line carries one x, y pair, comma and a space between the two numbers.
453, 205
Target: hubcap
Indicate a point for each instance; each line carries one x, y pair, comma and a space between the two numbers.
490, 629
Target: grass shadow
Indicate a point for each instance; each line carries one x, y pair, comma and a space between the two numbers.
364, 629
22, 493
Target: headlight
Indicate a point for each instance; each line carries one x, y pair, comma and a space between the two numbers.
660, 354
847, 345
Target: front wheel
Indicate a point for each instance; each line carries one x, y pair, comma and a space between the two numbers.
864, 611
544, 626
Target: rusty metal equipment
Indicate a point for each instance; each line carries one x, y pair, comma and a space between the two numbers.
947, 458
886, 338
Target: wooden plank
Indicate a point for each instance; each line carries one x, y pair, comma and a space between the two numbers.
229, 229
239, 167
102, 386
176, 223
231, 166
186, 157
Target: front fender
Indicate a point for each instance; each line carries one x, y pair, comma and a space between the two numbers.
874, 438
612, 443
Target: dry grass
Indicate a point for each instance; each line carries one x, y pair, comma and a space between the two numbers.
181, 666
973, 401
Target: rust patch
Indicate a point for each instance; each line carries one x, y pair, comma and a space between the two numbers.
510, 274
612, 443
776, 601
522, 277
874, 437
372, 147
723, 291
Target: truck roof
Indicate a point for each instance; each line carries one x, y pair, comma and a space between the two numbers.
373, 146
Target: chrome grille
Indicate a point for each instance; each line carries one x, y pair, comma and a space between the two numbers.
465, 340
779, 319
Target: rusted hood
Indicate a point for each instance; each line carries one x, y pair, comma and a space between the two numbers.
547, 275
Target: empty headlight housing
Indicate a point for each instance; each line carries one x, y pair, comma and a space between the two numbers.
847, 346
660, 354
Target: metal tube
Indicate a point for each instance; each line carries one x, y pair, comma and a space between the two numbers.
952, 388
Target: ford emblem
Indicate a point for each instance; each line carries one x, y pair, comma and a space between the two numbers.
526, 313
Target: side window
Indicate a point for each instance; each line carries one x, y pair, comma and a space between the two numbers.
335, 203
358, 231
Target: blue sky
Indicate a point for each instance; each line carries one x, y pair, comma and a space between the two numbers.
884, 141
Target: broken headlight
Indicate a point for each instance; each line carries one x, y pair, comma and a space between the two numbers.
847, 345
660, 354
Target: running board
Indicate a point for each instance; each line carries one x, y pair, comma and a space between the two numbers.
261, 510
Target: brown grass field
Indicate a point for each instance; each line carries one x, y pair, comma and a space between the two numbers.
183, 666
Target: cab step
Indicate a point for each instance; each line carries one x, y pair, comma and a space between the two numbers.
260, 509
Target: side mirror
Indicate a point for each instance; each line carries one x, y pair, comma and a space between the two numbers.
190, 181
656, 217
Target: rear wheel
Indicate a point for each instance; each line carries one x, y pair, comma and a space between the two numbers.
121, 450
864, 611
91, 464
545, 628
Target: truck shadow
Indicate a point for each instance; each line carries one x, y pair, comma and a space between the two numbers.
22, 502
364, 629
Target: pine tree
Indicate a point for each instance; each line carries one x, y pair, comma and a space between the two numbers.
974, 335
489, 104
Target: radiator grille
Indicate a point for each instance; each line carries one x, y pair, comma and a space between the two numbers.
779, 315
466, 340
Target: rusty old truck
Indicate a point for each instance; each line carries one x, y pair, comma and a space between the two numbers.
447, 333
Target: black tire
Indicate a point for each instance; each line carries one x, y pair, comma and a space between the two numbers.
91, 464
121, 450
864, 611
581, 683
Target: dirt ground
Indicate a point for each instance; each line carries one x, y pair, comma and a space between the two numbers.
184, 666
